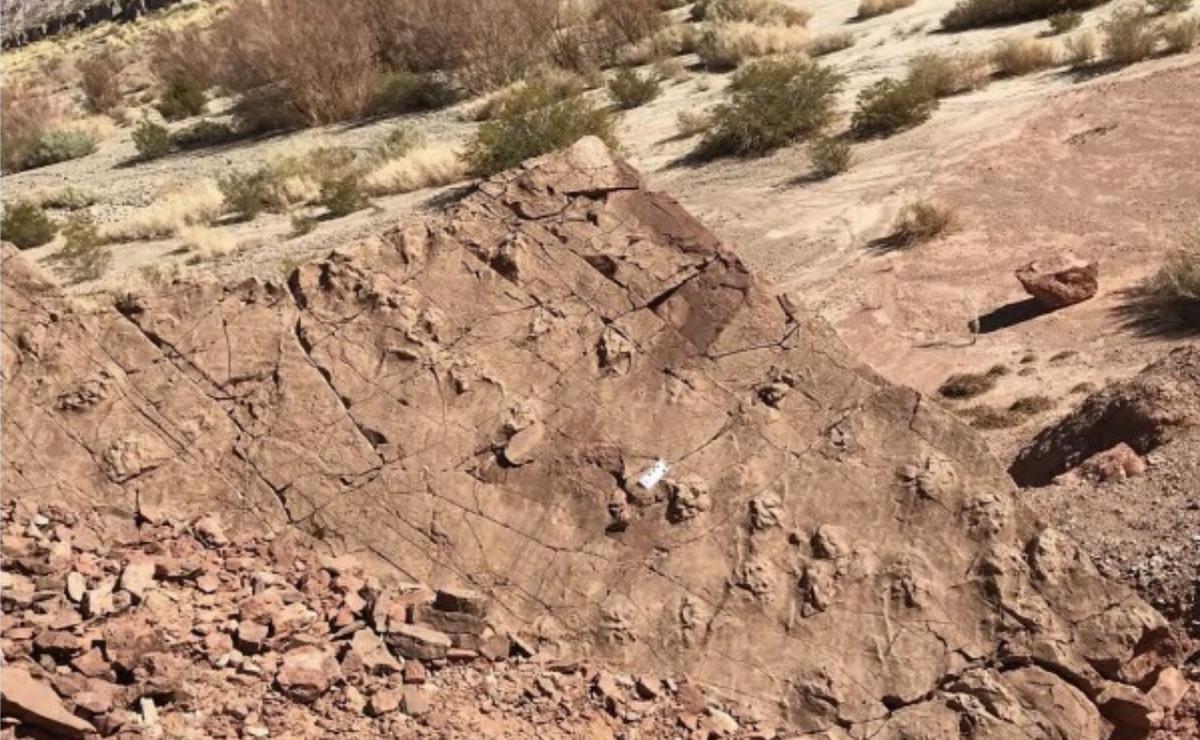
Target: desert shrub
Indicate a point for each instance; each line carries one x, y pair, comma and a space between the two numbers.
1172, 294
1017, 413
204, 133
68, 198
1013, 57
151, 140
205, 241
199, 203
26, 114
83, 255
761, 12
667, 42
772, 103
1081, 48
301, 225
342, 196
890, 106
397, 143
189, 55
829, 156
406, 92
26, 225
1167, 7
977, 13
872, 8
534, 122
552, 84
296, 61
1067, 20
828, 43
628, 89
98, 77
725, 46
247, 194
1129, 37
691, 123
670, 69
182, 97
944, 74
60, 145
969, 385
921, 221
629, 21
420, 168
1180, 35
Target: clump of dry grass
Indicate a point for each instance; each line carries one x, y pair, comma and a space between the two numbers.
198, 204
725, 46
1068, 20
969, 385
1017, 413
1180, 35
761, 12
1172, 295
945, 74
829, 156
921, 221
691, 123
828, 43
1081, 49
207, 242
1017, 56
873, 8
425, 167
1129, 37
667, 42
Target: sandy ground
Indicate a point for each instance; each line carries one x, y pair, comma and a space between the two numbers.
1103, 166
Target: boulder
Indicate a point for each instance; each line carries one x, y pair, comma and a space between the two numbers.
1059, 282
34, 703
307, 672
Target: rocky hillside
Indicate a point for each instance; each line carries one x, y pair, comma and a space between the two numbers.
568, 396
26, 21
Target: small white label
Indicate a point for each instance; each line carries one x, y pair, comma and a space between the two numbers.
651, 477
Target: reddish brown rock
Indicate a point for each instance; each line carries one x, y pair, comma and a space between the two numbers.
1118, 463
1059, 282
414, 641
36, 704
307, 672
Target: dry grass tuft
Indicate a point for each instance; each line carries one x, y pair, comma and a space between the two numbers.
761, 12
943, 74
1129, 36
1081, 49
426, 167
1172, 295
969, 385
921, 221
1013, 57
199, 204
207, 242
98, 78
726, 46
691, 123
1180, 35
873, 8
1017, 413
829, 43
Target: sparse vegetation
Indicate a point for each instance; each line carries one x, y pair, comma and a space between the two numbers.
83, 255
1013, 57
943, 74
183, 97
691, 123
772, 103
726, 46
420, 168
247, 194
551, 85
921, 221
1172, 295
198, 204
890, 106
533, 122
60, 145
761, 12
829, 156
68, 198
1067, 20
26, 114
204, 134
341, 196
398, 92
26, 225
1017, 413
969, 385
151, 140
873, 8
1081, 48
302, 225
628, 89
98, 77
978, 13
1129, 37
397, 143
828, 43
1180, 35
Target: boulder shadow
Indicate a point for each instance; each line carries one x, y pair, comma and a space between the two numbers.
1008, 315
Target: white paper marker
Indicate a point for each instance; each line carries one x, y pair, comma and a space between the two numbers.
651, 477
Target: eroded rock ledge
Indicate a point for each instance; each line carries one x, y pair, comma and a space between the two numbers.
473, 401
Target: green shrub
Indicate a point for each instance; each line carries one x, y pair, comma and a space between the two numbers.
1129, 37
394, 93
59, 146
828, 43
152, 140
890, 106
829, 156
182, 98
342, 196
26, 225
1068, 20
84, 256
533, 122
772, 103
628, 89
69, 198
247, 194
977, 13
204, 133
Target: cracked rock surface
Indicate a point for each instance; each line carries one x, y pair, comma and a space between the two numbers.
473, 400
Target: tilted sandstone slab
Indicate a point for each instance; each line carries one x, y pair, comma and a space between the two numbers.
473, 399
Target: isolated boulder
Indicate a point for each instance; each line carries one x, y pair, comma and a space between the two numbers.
837, 551
1061, 281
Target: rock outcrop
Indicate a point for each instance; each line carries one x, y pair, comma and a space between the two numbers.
475, 401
